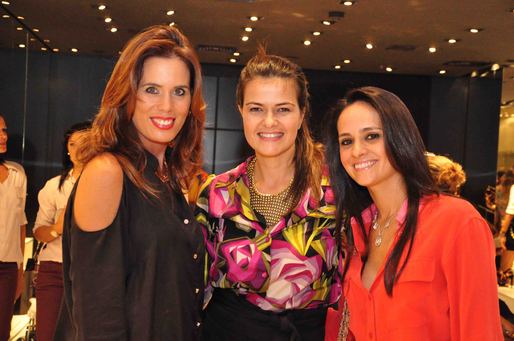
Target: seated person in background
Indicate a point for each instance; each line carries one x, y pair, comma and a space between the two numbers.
447, 174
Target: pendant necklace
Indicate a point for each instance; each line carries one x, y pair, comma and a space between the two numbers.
380, 228
163, 174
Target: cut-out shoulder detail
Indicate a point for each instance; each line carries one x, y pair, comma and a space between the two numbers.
98, 193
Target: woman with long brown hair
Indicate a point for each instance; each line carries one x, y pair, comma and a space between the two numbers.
420, 264
270, 220
132, 254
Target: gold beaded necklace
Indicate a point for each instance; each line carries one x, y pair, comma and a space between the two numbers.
272, 206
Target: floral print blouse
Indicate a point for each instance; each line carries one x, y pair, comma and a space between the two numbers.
292, 265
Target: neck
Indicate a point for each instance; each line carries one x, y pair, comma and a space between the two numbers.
272, 175
389, 198
76, 170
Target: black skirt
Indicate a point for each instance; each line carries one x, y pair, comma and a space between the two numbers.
230, 317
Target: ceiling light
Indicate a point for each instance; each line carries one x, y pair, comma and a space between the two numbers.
306, 42
432, 49
248, 29
337, 67
442, 72
244, 38
236, 54
20, 17
21, 46
474, 74
55, 49
369, 46
495, 67
46, 40
475, 30
35, 29
172, 23
348, 3
6, 3
108, 19
102, 7
327, 22
452, 40
170, 12
316, 33
254, 18
347, 61
43, 48
389, 69
74, 50
114, 29
19, 28
232, 60
5, 16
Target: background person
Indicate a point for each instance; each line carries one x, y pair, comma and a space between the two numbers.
48, 229
13, 191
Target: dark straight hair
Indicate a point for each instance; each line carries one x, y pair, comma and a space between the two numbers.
405, 150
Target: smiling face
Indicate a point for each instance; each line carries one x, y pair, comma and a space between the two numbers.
3, 136
362, 147
162, 102
271, 116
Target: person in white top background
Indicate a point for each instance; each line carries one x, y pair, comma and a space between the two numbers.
48, 230
13, 221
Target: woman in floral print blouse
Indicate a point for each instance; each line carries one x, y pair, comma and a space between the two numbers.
270, 220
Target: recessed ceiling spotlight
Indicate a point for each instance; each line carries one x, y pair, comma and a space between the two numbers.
114, 29
108, 19
244, 38
442, 72
327, 22
347, 61
74, 50
254, 18
452, 41
6, 3
248, 29
432, 49
101, 7
46, 40
236, 54
19, 28
172, 23
389, 69
316, 33
306, 42
21, 46
474, 74
5, 16
20, 17
55, 49
232, 60
170, 12
337, 67
475, 30
35, 29
369, 46
495, 67
348, 3
44, 48
32, 39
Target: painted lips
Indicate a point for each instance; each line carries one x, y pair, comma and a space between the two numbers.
270, 135
163, 123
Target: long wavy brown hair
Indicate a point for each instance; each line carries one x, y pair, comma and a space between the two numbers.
308, 158
113, 130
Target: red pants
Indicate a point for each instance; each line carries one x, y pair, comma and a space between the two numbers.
8, 281
49, 289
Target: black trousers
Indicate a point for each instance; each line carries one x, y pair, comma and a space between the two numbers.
229, 317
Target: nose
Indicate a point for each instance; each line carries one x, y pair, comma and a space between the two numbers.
358, 149
269, 119
166, 103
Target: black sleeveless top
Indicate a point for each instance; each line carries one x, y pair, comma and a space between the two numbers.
141, 278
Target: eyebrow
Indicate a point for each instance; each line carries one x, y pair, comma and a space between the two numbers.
158, 85
363, 130
278, 104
